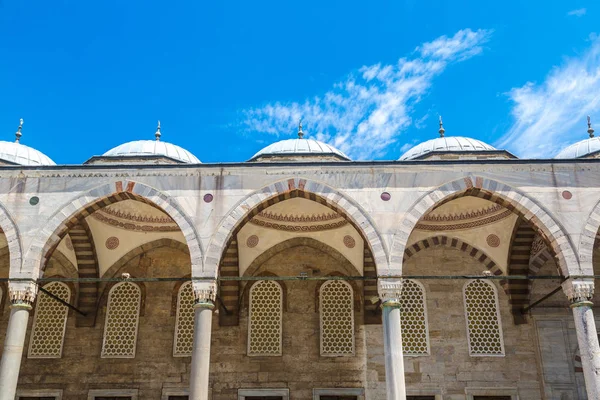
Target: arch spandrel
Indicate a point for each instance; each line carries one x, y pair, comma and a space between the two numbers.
497, 192
587, 239
87, 203
255, 202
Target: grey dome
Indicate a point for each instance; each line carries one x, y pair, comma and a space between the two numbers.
17, 153
581, 149
152, 148
446, 144
300, 147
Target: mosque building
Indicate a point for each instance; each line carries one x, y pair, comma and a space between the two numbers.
457, 272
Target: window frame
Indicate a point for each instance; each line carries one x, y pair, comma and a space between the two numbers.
353, 322
166, 392
283, 392
498, 317
358, 392
57, 393
137, 322
250, 292
181, 288
437, 393
35, 320
93, 393
471, 392
425, 316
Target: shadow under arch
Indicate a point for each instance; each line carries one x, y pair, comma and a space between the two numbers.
87, 203
276, 192
499, 193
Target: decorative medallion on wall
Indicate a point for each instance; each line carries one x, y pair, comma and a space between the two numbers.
349, 242
537, 246
567, 195
299, 222
493, 240
208, 198
68, 242
385, 196
464, 220
112, 243
252, 241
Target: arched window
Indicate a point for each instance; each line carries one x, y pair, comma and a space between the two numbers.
484, 330
122, 317
264, 326
413, 314
336, 308
184, 322
49, 322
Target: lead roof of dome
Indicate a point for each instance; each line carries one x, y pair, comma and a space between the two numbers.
582, 148
17, 153
300, 147
141, 148
446, 144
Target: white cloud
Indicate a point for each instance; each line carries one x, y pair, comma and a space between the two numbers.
580, 12
367, 111
550, 115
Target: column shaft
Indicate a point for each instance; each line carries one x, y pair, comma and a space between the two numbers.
13, 350
587, 338
201, 350
392, 344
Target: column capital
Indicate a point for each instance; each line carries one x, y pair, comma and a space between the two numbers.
205, 291
390, 291
579, 291
22, 294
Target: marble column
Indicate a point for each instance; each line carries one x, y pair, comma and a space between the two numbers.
203, 312
580, 292
389, 292
14, 342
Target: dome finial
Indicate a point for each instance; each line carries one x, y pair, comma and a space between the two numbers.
442, 130
18, 134
300, 133
590, 129
157, 133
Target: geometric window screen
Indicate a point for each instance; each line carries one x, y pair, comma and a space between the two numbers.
337, 318
184, 322
122, 317
49, 322
484, 330
413, 319
265, 313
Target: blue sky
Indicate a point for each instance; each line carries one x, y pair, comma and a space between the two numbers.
228, 78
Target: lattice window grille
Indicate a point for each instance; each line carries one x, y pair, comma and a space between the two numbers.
484, 327
49, 322
122, 318
265, 314
413, 317
337, 318
184, 322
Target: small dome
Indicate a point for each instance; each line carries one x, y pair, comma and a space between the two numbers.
17, 153
446, 144
141, 148
581, 149
300, 147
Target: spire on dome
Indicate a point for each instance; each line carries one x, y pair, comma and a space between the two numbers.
157, 133
590, 129
300, 133
18, 134
442, 130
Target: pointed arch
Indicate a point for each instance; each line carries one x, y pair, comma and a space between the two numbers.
587, 240
254, 203
499, 193
87, 203
13, 238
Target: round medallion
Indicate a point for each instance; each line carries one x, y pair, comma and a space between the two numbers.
567, 195
112, 243
385, 196
349, 242
252, 241
493, 240
69, 242
34, 200
208, 198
